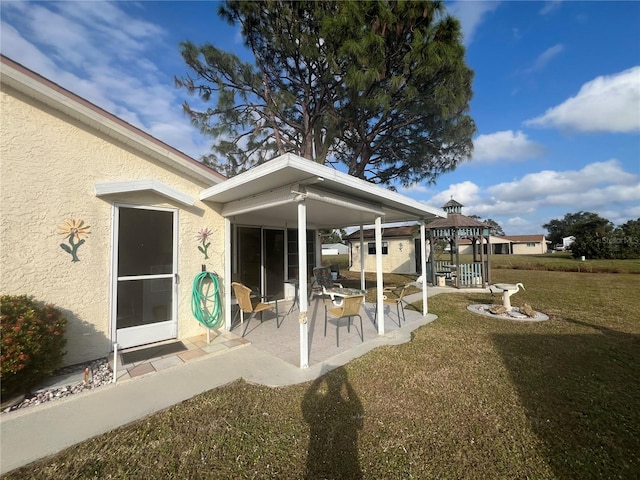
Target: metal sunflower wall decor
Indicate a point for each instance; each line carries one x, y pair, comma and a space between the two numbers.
75, 231
203, 238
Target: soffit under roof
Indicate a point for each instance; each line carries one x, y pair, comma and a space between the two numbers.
333, 199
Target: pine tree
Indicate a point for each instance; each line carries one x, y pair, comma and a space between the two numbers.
377, 88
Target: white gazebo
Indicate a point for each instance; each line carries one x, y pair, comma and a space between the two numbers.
292, 191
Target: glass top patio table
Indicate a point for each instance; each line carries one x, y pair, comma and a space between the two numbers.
346, 292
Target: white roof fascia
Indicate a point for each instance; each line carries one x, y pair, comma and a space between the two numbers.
58, 100
111, 188
248, 176
312, 169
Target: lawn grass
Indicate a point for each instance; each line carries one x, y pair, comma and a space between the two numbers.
558, 261
468, 397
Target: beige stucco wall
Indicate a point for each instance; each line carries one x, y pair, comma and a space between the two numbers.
398, 260
467, 249
523, 249
49, 165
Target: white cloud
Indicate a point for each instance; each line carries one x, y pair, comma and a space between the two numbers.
413, 189
466, 193
601, 187
545, 57
517, 222
606, 104
550, 6
506, 145
471, 15
105, 55
585, 186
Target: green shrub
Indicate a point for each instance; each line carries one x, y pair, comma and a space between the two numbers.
32, 339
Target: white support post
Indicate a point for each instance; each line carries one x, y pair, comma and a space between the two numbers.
302, 284
423, 252
379, 279
227, 274
362, 279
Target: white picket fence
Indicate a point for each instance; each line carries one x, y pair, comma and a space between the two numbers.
470, 274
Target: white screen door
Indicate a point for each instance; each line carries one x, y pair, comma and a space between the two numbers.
145, 266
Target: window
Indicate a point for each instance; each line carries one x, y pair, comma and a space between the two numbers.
531, 244
372, 248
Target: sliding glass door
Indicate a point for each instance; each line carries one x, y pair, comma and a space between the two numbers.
261, 259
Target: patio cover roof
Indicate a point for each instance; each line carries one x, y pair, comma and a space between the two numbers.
268, 195
298, 193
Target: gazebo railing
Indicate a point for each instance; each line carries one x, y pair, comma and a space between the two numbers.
470, 274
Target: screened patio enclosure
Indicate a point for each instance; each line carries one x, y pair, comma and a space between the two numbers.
281, 204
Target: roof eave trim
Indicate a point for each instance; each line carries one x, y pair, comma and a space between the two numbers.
130, 186
316, 170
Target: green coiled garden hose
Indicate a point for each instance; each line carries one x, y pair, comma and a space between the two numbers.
206, 307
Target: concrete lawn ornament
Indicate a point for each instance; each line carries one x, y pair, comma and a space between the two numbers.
507, 289
506, 311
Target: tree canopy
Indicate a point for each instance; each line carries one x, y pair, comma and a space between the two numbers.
494, 227
379, 88
566, 226
595, 236
332, 236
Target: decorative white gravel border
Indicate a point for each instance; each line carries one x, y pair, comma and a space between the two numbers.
483, 309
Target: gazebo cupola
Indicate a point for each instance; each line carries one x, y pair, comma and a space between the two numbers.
452, 207
456, 227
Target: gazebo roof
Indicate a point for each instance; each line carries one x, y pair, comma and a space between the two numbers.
456, 220
456, 223
452, 203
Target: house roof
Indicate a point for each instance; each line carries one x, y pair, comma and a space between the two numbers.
53, 95
526, 238
269, 193
511, 239
387, 232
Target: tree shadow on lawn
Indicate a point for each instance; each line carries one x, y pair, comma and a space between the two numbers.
582, 397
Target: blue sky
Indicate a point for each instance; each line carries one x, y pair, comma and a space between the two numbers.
556, 93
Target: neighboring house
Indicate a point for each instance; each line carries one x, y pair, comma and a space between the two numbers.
566, 244
107, 223
512, 245
528, 244
334, 249
398, 249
